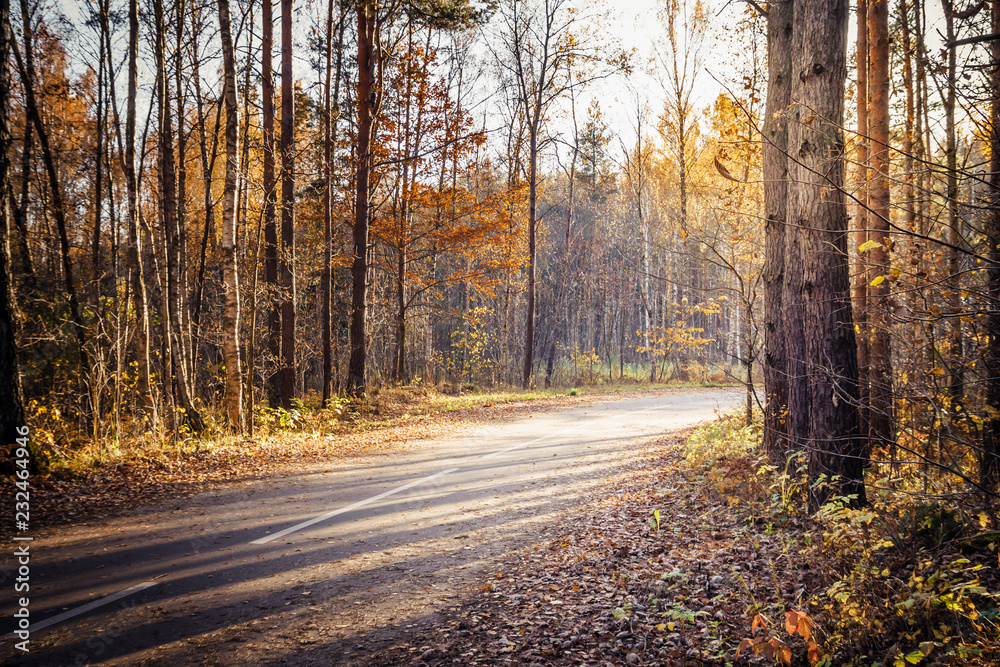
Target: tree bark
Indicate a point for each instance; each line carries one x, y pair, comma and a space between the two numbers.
330, 117
27, 149
989, 471
134, 253
270, 198
952, 293
230, 278
367, 108
286, 263
818, 214
859, 285
880, 414
173, 297
775, 166
11, 401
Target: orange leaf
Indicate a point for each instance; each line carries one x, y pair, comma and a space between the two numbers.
791, 622
758, 621
745, 645
805, 626
813, 653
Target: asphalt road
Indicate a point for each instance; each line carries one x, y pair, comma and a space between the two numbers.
283, 565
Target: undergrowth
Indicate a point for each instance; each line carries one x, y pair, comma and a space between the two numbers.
908, 579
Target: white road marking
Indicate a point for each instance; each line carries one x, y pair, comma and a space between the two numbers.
83, 609
360, 503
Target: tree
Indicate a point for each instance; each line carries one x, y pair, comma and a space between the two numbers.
231, 316
990, 460
11, 402
817, 223
775, 172
270, 194
135, 254
286, 258
369, 100
370, 62
880, 417
331, 115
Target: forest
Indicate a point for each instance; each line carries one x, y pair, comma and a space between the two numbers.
206, 223
244, 227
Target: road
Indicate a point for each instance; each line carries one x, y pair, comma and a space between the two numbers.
324, 564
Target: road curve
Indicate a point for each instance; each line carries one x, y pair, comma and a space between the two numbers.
309, 567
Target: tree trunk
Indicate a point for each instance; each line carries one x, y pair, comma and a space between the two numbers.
859, 286
775, 158
270, 196
11, 401
529, 324
330, 117
98, 178
817, 215
230, 279
286, 264
367, 106
21, 210
135, 253
880, 417
952, 288
173, 297
989, 472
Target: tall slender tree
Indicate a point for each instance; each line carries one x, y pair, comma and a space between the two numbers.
775, 172
859, 286
286, 264
135, 254
369, 100
270, 195
880, 418
230, 278
11, 402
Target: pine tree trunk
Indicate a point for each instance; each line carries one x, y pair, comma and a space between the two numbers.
330, 118
135, 254
230, 278
880, 415
367, 104
990, 463
775, 158
270, 197
286, 263
817, 216
859, 272
952, 288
